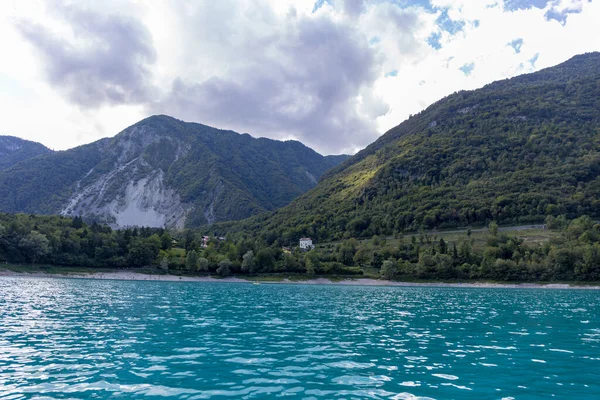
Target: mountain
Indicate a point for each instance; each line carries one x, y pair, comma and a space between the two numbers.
164, 172
337, 159
14, 150
513, 151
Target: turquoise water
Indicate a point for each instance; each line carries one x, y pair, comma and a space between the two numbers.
63, 338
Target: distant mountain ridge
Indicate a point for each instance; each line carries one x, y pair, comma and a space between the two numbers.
164, 172
14, 150
514, 151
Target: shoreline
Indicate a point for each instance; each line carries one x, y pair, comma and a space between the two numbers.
136, 276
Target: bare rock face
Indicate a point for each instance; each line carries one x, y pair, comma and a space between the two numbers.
144, 202
133, 192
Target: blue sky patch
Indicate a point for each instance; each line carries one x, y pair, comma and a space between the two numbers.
374, 40
449, 25
320, 3
467, 68
434, 40
516, 45
392, 73
407, 3
533, 59
512, 5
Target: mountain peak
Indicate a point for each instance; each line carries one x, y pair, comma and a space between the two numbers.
14, 150
165, 172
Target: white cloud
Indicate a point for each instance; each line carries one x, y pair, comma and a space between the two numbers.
486, 45
334, 79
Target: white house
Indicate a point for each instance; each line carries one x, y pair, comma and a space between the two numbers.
306, 244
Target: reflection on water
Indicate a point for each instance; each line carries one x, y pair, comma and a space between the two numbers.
63, 338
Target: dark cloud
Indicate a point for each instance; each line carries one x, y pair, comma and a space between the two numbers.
105, 62
303, 82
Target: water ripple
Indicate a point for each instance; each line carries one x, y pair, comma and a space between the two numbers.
63, 338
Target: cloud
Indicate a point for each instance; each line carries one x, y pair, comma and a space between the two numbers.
334, 74
311, 81
106, 59
560, 9
353, 8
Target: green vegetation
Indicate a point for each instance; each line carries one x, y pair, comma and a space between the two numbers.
219, 175
52, 269
515, 152
59, 241
566, 251
14, 150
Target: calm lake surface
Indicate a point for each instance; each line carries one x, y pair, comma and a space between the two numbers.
68, 338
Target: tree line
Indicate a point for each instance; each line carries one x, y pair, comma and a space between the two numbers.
571, 254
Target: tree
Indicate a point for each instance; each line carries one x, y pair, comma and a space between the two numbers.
559, 222
590, 267
166, 241
389, 270
35, 245
443, 246
311, 263
375, 240
248, 262
189, 240
191, 260
377, 259
77, 222
310, 267
346, 251
202, 264
363, 256
143, 251
224, 267
493, 228
265, 259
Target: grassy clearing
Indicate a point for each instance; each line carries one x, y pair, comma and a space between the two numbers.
478, 238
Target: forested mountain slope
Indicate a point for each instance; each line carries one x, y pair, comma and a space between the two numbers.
513, 151
164, 172
14, 150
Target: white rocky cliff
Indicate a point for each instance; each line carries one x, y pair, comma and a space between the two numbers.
132, 192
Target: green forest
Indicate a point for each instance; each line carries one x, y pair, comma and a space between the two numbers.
570, 253
514, 152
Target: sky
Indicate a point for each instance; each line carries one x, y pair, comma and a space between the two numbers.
333, 74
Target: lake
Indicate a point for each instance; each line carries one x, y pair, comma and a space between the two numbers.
79, 338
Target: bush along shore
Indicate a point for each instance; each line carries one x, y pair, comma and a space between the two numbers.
566, 251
